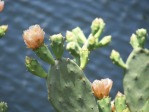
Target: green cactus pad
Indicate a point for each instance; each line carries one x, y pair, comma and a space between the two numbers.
145, 107
120, 103
104, 105
136, 83
68, 88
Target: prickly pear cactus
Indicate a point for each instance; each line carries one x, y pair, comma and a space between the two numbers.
136, 84
69, 89
136, 75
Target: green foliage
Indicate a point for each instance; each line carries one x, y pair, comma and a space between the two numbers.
68, 88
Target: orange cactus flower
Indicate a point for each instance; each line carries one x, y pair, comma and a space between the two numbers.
34, 37
101, 88
1, 5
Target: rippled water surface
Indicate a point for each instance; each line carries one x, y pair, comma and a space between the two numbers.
26, 93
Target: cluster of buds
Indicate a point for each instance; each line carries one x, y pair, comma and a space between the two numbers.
101, 88
137, 40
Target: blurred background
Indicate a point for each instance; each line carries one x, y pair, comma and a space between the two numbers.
27, 93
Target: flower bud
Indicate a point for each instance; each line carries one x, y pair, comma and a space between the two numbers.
101, 88
91, 42
141, 36
134, 41
34, 37
97, 27
57, 45
84, 57
79, 35
1, 5
34, 67
73, 48
3, 30
116, 59
70, 36
105, 41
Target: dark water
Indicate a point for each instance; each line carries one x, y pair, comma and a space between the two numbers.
26, 93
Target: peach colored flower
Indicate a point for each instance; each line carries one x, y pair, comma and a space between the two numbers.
34, 37
1, 5
101, 88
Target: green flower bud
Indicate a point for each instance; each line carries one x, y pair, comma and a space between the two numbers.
141, 36
3, 30
116, 59
73, 48
34, 67
97, 27
138, 40
134, 41
84, 57
57, 45
105, 41
70, 36
80, 37
91, 42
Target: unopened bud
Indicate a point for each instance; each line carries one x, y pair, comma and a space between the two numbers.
73, 48
84, 57
134, 41
57, 45
105, 41
34, 67
91, 42
97, 27
70, 36
116, 59
80, 37
141, 36
3, 30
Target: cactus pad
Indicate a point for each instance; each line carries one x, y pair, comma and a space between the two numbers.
136, 84
68, 88
104, 105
